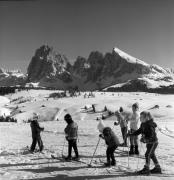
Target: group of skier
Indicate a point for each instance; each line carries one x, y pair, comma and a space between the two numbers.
146, 129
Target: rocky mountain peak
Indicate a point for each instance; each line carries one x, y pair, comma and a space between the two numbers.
46, 63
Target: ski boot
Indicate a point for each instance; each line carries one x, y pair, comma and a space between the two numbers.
76, 158
145, 171
108, 164
113, 163
131, 152
68, 158
156, 170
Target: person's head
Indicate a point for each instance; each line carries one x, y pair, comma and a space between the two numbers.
135, 107
107, 131
68, 118
145, 116
121, 109
35, 116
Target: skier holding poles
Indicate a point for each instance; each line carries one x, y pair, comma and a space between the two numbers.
36, 129
71, 135
122, 118
147, 129
112, 143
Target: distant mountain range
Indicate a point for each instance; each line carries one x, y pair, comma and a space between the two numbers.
112, 71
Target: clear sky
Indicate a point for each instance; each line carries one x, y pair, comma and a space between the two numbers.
142, 28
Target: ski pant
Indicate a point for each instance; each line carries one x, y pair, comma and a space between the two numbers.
124, 134
72, 144
110, 154
150, 153
36, 139
133, 139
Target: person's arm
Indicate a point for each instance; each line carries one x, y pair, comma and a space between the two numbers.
137, 132
38, 127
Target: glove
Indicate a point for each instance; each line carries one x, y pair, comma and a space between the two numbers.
129, 134
100, 135
115, 123
117, 113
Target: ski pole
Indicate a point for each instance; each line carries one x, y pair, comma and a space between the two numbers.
63, 146
128, 138
94, 152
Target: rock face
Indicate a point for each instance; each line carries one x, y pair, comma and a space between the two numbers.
47, 64
98, 71
108, 71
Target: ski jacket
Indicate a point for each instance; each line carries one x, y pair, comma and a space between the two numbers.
147, 129
71, 131
35, 128
110, 138
134, 120
122, 119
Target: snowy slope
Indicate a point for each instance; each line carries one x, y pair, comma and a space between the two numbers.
129, 58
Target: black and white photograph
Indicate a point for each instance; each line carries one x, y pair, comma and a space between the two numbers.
86, 89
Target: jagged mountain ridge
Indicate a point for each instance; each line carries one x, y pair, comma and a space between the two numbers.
12, 78
113, 69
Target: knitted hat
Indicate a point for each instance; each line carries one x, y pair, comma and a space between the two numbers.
100, 126
67, 116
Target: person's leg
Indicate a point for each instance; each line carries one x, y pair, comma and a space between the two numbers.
108, 156
124, 134
131, 144
146, 170
157, 168
70, 145
40, 143
74, 144
33, 145
112, 150
148, 154
136, 151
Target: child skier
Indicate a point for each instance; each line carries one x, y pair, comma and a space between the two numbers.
36, 138
71, 133
112, 143
122, 118
147, 129
134, 120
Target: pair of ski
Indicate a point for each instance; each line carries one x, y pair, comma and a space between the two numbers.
63, 158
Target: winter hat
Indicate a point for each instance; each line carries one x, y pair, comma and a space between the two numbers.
121, 109
136, 105
67, 116
101, 126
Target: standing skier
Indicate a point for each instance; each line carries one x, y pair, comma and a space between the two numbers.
36, 138
147, 129
122, 118
71, 133
134, 120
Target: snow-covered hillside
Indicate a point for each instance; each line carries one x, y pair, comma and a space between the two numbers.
16, 163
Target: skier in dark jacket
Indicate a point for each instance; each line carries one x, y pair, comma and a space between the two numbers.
147, 129
71, 133
36, 129
112, 143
